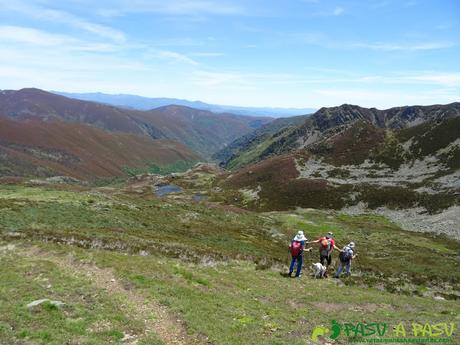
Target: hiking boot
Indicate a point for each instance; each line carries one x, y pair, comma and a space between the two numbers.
290, 274
298, 276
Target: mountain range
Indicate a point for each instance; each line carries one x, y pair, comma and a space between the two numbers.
47, 133
326, 124
402, 162
355, 159
147, 103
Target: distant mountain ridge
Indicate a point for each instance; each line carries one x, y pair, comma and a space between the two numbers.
44, 134
202, 131
147, 103
329, 121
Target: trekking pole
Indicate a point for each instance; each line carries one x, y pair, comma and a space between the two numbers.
289, 259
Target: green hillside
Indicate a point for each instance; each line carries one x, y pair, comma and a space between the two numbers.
135, 268
318, 133
248, 148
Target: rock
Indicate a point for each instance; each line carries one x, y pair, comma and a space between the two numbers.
41, 301
439, 298
8, 247
55, 180
14, 234
130, 339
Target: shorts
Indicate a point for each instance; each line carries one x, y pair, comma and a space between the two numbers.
325, 258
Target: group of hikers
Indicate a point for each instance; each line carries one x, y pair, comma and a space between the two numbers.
326, 246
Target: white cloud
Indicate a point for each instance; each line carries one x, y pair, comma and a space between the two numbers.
338, 11
14, 35
176, 57
100, 30
446, 79
321, 39
207, 54
172, 7
32, 36
410, 3
57, 16
405, 47
379, 4
380, 98
206, 78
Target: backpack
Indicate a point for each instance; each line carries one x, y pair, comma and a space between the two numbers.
346, 255
296, 248
325, 247
326, 244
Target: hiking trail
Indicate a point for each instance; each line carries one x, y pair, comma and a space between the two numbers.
156, 317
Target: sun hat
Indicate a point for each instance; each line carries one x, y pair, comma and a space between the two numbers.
300, 236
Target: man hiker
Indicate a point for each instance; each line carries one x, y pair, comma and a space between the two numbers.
297, 248
326, 246
346, 255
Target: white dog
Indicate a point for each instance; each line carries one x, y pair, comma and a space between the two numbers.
318, 270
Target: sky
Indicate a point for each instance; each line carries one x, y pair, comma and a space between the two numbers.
274, 53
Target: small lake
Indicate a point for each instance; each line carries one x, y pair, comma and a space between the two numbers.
167, 189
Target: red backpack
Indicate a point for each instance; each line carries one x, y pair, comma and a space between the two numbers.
296, 248
325, 246
326, 243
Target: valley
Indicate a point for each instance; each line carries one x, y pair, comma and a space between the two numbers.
171, 226
229, 172
132, 267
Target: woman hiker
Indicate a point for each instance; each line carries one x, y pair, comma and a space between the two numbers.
326, 247
297, 247
346, 255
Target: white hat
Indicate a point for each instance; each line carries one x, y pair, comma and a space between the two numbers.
351, 244
300, 236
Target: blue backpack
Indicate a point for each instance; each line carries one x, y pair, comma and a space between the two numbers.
346, 255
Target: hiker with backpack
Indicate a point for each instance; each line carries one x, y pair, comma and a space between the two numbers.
326, 247
297, 247
346, 255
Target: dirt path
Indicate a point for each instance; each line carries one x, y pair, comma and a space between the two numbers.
157, 318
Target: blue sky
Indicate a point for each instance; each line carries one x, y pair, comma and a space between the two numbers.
292, 53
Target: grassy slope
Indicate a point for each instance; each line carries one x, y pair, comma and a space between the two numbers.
203, 131
90, 316
79, 150
208, 263
248, 148
281, 189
